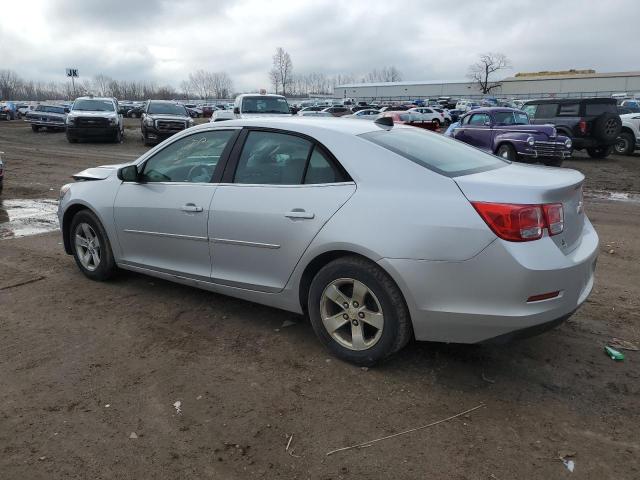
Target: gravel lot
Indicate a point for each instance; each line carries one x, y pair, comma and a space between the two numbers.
87, 366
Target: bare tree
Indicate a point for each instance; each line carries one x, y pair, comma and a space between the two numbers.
10, 83
385, 74
101, 84
481, 72
282, 71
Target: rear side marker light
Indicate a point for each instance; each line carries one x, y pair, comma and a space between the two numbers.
543, 296
521, 223
582, 125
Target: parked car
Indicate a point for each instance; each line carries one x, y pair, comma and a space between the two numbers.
23, 109
8, 111
507, 132
123, 108
93, 118
591, 123
208, 110
429, 114
309, 110
630, 103
625, 110
135, 112
52, 117
337, 111
412, 119
193, 110
488, 249
2, 168
455, 115
366, 114
629, 139
394, 108
161, 119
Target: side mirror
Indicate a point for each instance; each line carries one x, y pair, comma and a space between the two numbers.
66, 110
129, 173
236, 110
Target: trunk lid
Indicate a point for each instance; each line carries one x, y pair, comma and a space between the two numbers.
535, 185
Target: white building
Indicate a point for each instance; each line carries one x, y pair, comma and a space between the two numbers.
564, 85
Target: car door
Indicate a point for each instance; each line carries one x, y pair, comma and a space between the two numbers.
161, 220
478, 131
279, 189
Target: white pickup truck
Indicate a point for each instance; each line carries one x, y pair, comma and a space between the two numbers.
629, 139
250, 105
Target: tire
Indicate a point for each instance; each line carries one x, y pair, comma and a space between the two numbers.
95, 261
118, 137
625, 144
599, 152
606, 127
507, 151
382, 296
35, 128
71, 139
145, 140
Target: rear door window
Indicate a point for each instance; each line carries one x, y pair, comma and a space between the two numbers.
569, 110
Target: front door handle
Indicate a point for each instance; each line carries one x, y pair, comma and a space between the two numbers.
191, 207
299, 213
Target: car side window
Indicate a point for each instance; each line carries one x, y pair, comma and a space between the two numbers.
479, 119
321, 169
569, 110
270, 158
190, 159
530, 110
546, 110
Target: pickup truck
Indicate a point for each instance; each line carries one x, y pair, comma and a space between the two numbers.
47, 116
251, 105
629, 139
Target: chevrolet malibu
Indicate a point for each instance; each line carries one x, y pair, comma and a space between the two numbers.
379, 233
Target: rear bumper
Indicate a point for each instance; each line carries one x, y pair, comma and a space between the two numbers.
485, 297
92, 132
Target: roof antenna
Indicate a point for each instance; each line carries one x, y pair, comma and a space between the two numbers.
384, 122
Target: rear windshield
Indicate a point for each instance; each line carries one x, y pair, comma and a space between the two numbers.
438, 153
264, 104
594, 109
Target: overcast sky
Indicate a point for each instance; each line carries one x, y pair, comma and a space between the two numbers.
163, 40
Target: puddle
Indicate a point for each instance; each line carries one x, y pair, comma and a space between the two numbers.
20, 218
614, 196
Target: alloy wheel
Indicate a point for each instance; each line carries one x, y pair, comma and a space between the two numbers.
351, 314
87, 246
621, 145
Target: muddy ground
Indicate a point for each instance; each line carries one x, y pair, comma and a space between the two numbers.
86, 365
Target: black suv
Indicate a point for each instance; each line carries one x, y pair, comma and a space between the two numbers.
161, 119
591, 123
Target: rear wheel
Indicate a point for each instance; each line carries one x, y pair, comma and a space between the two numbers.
508, 152
91, 247
599, 152
357, 311
625, 144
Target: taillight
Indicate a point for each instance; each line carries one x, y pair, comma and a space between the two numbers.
554, 217
521, 223
582, 125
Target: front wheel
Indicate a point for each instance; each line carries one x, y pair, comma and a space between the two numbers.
91, 247
625, 144
599, 152
118, 137
508, 152
358, 312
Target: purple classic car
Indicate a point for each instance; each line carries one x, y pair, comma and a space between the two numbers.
506, 132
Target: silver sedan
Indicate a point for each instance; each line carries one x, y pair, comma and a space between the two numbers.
379, 233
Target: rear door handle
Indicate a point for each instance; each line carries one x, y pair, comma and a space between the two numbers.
191, 207
299, 213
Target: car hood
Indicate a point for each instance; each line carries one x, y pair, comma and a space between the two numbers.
98, 173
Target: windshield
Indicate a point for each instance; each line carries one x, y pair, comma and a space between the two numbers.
167, 109
511, 118
93, 105
441, 154
263, 104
